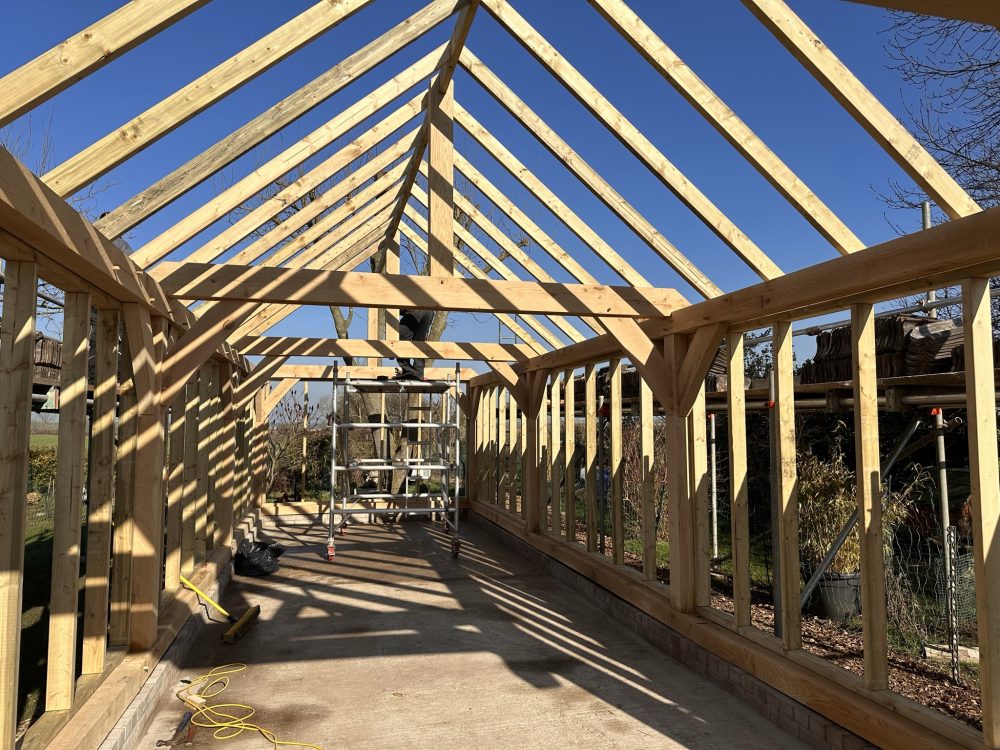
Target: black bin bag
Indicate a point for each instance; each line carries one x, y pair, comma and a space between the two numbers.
258, 558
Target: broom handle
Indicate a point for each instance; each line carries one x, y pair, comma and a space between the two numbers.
203, 595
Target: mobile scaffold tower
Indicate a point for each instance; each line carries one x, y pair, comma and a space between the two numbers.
397, 481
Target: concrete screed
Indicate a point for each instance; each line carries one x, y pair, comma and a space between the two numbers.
397, 645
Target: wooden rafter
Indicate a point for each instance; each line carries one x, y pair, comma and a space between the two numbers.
509, 248
560, 210
285, 112
274, 346
630, 137
107, 153
730, 126
378, 168
169, 240
75, 58
343, 193
472, 268
590, 178
862, 105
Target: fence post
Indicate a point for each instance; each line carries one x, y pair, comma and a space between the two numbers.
981, 404
60, 683
17, 360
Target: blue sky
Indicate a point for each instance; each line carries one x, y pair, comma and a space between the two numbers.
720, 40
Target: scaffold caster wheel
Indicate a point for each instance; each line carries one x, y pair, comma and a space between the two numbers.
456, 547
331, 552
390, 518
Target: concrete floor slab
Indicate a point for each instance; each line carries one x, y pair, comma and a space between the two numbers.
397, 645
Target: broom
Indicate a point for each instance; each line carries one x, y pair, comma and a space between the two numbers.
238, 625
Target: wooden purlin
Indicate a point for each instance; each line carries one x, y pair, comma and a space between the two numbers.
169, 240
438, 86
74, 59
630, 137
863, 106
473, 269
592, 180
285, 112
560, 210
287, 346
107, 153
666, 62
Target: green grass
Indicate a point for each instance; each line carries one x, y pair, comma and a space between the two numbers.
634, 546
44, 440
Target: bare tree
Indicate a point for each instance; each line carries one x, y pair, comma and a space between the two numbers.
956, 67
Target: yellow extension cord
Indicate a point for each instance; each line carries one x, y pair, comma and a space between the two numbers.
218, 717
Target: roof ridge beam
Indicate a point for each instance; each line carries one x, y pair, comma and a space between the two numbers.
863, 106
145, 129
706, 102
437, 90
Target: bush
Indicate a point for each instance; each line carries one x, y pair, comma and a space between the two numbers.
828, 497
41, 468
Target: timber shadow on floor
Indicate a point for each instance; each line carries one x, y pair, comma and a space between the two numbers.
396, 644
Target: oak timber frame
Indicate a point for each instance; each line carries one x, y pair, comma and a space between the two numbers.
187, 463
